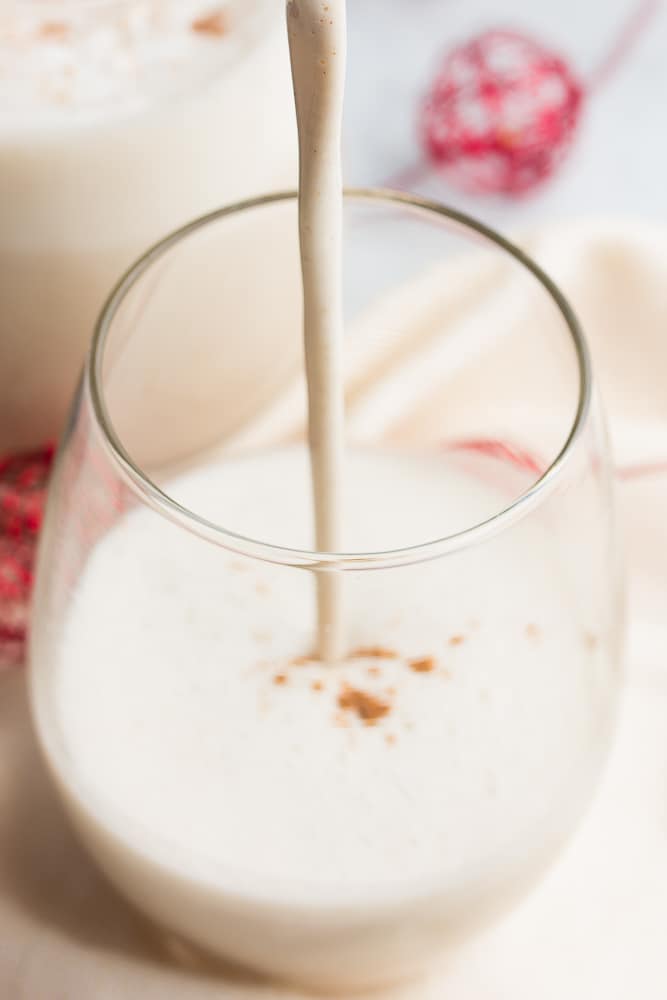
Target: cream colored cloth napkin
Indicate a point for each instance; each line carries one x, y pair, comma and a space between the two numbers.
595, 927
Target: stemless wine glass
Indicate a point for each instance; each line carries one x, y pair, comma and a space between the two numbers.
335, 825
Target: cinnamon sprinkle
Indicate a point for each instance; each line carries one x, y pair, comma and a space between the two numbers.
280, 679
369, 708
374, 672
422, 665
590, 641
457, 640
317, 686
53, 30
301, 661
373, 653
214, 23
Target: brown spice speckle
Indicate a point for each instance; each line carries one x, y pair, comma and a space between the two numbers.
390, 738
374, 672
280, 679
317, 686
591, 641
457, 640
369, 708
301, 661
533, 631
422, 665
214, 23
373, 653
53, 30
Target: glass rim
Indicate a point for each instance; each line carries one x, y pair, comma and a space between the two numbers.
164, 505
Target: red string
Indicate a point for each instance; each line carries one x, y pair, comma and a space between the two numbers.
630, 33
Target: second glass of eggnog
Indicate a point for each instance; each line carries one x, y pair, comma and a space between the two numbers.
119, 120
336, 824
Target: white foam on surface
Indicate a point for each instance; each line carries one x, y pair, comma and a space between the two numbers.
61, 62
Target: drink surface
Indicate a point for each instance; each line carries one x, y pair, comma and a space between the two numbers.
62, 63
194, 722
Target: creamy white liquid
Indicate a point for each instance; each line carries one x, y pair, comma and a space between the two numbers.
317, 39
226, 787
118, 124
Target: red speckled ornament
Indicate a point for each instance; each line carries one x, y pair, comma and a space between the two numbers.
503, 109
501, 114
23, 481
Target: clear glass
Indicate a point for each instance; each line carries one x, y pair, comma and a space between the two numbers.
338, 826
119, 121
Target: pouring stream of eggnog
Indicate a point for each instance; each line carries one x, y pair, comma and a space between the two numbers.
317, 40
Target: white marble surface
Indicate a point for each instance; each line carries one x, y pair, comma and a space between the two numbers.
619, 161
